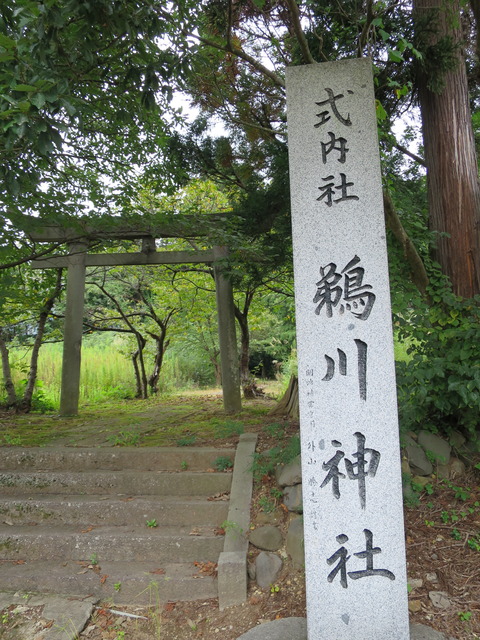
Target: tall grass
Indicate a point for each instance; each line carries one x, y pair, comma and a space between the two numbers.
106, 371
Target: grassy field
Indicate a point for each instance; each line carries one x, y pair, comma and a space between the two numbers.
106, 374
184, 419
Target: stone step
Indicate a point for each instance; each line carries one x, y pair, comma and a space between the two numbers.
97, 510
74, 520
111, 458
153, 583
130, 544
127, 483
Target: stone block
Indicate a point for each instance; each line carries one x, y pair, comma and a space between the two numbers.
295, 543
292, 498
284, 629
268, 538
435, 446
417, 458
232, 579
267, 568
289, 474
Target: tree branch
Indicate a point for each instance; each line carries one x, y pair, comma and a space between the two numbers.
418, 271
410, 154
297, 27
366, 28
280, 82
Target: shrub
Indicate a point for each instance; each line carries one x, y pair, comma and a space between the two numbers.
439, 387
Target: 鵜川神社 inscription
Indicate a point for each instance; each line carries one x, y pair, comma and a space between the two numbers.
352, 497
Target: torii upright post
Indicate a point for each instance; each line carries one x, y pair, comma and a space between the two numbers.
72, 343
232, 400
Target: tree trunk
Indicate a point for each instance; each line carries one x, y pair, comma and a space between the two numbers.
161, 347
160, 341
139, 367
242, 318
452, 171
7, 373
136, 369
288, 403
218, 370
244, 349
417, 268
26, 402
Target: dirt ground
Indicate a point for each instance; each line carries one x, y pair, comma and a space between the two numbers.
443, 555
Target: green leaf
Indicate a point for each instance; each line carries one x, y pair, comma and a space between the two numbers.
381, 113
44, 143
24, 105
6, 42
38, 99
24, 87
395, 56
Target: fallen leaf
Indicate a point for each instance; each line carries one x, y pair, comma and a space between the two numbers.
195, 532
103, 579
19, 562
158, 572
9, 522
87, 530
206, 568
219, 496
170, 606
218, 531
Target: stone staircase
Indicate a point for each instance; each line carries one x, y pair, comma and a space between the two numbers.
74, 521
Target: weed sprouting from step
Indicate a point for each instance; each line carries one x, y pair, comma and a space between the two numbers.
9, 545
223, 463
152, 523
233, 528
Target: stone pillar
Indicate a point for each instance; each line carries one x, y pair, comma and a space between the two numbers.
228, 340
352, 491
72, 337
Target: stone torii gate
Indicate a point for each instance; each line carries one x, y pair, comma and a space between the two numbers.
78, 259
